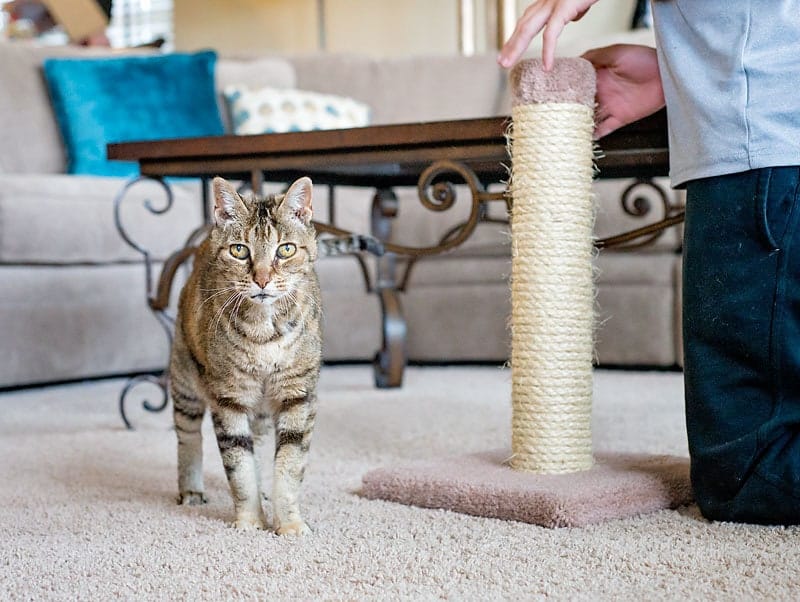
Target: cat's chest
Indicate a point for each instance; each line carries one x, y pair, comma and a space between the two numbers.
263, 347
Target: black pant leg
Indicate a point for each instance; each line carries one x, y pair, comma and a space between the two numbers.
742, 344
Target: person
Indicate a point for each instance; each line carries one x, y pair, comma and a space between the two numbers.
728, 74
37, 13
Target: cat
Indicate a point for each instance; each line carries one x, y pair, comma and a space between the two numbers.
248, 346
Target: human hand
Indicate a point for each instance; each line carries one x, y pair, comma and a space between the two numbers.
628, 85
550, 15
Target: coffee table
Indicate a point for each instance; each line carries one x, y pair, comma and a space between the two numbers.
431, 156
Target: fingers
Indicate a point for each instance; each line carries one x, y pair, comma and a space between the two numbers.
554, 28
528, 26
550, 15
514, 47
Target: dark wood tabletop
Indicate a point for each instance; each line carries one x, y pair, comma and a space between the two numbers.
384, 155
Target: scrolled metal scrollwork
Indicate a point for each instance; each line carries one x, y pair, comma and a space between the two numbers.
439, 196
151, 292
118, 200
436, 196
158, 381
635, 204
638, 205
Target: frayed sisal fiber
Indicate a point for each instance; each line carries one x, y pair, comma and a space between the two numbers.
549, 477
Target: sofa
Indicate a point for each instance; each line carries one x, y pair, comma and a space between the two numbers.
73, 294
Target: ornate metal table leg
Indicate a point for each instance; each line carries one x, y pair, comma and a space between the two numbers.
390, 360
164, 319
436, 193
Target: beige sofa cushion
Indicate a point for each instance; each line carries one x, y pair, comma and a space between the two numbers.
255, 72
67, 322
410, 89
64, 219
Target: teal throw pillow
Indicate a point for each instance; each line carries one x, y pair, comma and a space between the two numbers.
121, 99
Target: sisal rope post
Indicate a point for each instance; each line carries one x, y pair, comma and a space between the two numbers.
552, 294
553, 480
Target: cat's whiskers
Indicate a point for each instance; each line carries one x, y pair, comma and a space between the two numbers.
209, 290
237, 307
220, 291
303, 299
232, 299
288, 301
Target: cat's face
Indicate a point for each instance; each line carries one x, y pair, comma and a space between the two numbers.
264, 248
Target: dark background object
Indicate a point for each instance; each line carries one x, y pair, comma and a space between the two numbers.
642, 15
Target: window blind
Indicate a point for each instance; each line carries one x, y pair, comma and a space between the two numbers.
137, 22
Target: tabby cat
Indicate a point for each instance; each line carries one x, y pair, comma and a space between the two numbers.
248, 346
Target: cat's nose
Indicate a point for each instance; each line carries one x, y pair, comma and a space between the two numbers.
261, 278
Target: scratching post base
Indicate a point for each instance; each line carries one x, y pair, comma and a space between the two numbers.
549, 477
617, 486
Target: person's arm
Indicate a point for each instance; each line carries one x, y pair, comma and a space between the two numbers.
550, 15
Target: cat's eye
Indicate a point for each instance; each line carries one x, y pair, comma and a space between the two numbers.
286, 250
240, 251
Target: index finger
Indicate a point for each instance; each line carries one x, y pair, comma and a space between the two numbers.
527, 28
549, 39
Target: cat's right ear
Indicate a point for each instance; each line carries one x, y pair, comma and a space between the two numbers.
227, 202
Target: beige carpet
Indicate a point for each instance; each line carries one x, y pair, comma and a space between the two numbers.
87, 509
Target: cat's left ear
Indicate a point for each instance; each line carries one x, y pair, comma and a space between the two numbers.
297, 201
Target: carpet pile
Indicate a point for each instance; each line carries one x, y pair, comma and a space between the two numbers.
87, 509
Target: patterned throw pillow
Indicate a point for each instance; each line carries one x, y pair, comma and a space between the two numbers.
273, 110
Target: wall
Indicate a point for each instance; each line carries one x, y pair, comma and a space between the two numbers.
605, 18
246, 26
374, 27
392, 28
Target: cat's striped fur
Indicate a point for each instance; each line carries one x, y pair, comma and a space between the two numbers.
248, 347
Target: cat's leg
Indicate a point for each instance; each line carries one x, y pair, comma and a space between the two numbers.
261, 425
236, 446
188, 404
294, 423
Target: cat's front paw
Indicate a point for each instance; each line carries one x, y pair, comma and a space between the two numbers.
295, 528
249, 523
192, 498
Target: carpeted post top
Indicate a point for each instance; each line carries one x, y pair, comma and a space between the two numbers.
571, 80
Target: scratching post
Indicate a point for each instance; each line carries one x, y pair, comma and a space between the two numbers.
551, 270
549, 477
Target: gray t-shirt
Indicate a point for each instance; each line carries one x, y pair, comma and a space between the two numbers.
731, 77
